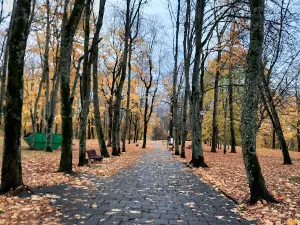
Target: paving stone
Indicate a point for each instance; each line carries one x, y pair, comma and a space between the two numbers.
158, 190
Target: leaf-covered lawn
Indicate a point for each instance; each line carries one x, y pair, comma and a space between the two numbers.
40, 169
227, 173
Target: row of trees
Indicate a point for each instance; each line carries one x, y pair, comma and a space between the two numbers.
239, 65
244, 52
60, 52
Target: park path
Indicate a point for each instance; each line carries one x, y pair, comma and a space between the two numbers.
158, 190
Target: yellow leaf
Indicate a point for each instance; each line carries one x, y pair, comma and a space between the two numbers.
291, 221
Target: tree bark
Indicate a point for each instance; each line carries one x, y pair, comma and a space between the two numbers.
100, 134
51, 100
45, 73
147, 115
42, 127
11, 174
216, 99
230, 95
254, 69
94, 58
187, 51
85, 87
271, 109
116, 118
69, 27
225, 106
128, 99
110, 122
175, 78
129, 131
273, 139
197, 154
184, 123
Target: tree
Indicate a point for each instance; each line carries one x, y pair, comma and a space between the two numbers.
216, 88
85, 87
187, 52
45, 73
174, 103
196, 98
51, 97
253, 77
123, 66
197, 155
135, 20
69, 27
11, 176
148, 83
94, 57
230, 90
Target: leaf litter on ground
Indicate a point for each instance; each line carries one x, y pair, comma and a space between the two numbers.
40, 169
226, 173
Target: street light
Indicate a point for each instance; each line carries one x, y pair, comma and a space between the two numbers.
202, 113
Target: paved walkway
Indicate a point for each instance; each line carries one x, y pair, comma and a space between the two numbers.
159, 190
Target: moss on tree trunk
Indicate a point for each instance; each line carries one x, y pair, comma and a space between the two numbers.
254, 68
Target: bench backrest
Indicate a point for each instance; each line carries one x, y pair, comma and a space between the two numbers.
91, 153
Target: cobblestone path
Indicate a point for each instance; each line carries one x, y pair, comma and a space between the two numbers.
158, 190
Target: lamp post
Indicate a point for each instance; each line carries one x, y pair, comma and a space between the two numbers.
202, 113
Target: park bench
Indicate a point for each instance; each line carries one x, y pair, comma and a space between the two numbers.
92, 155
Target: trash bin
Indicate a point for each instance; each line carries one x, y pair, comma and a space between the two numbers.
40, 141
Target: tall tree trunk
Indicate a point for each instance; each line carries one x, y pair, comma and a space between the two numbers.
145, 135
254, 69
148, 85
94, 59
273, 138
230, 96
110, 122
196, 96
135, 129
51, 103
100, 134
187, 51
128, 99
45, 73
68, 31
35, 109
85, 88
89, 130
50, 115
184, 123
56, 128
42, 128
11, 174
116, 118
216, 99
225, 106
129, 131
271, 109
145, 117
175, 77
